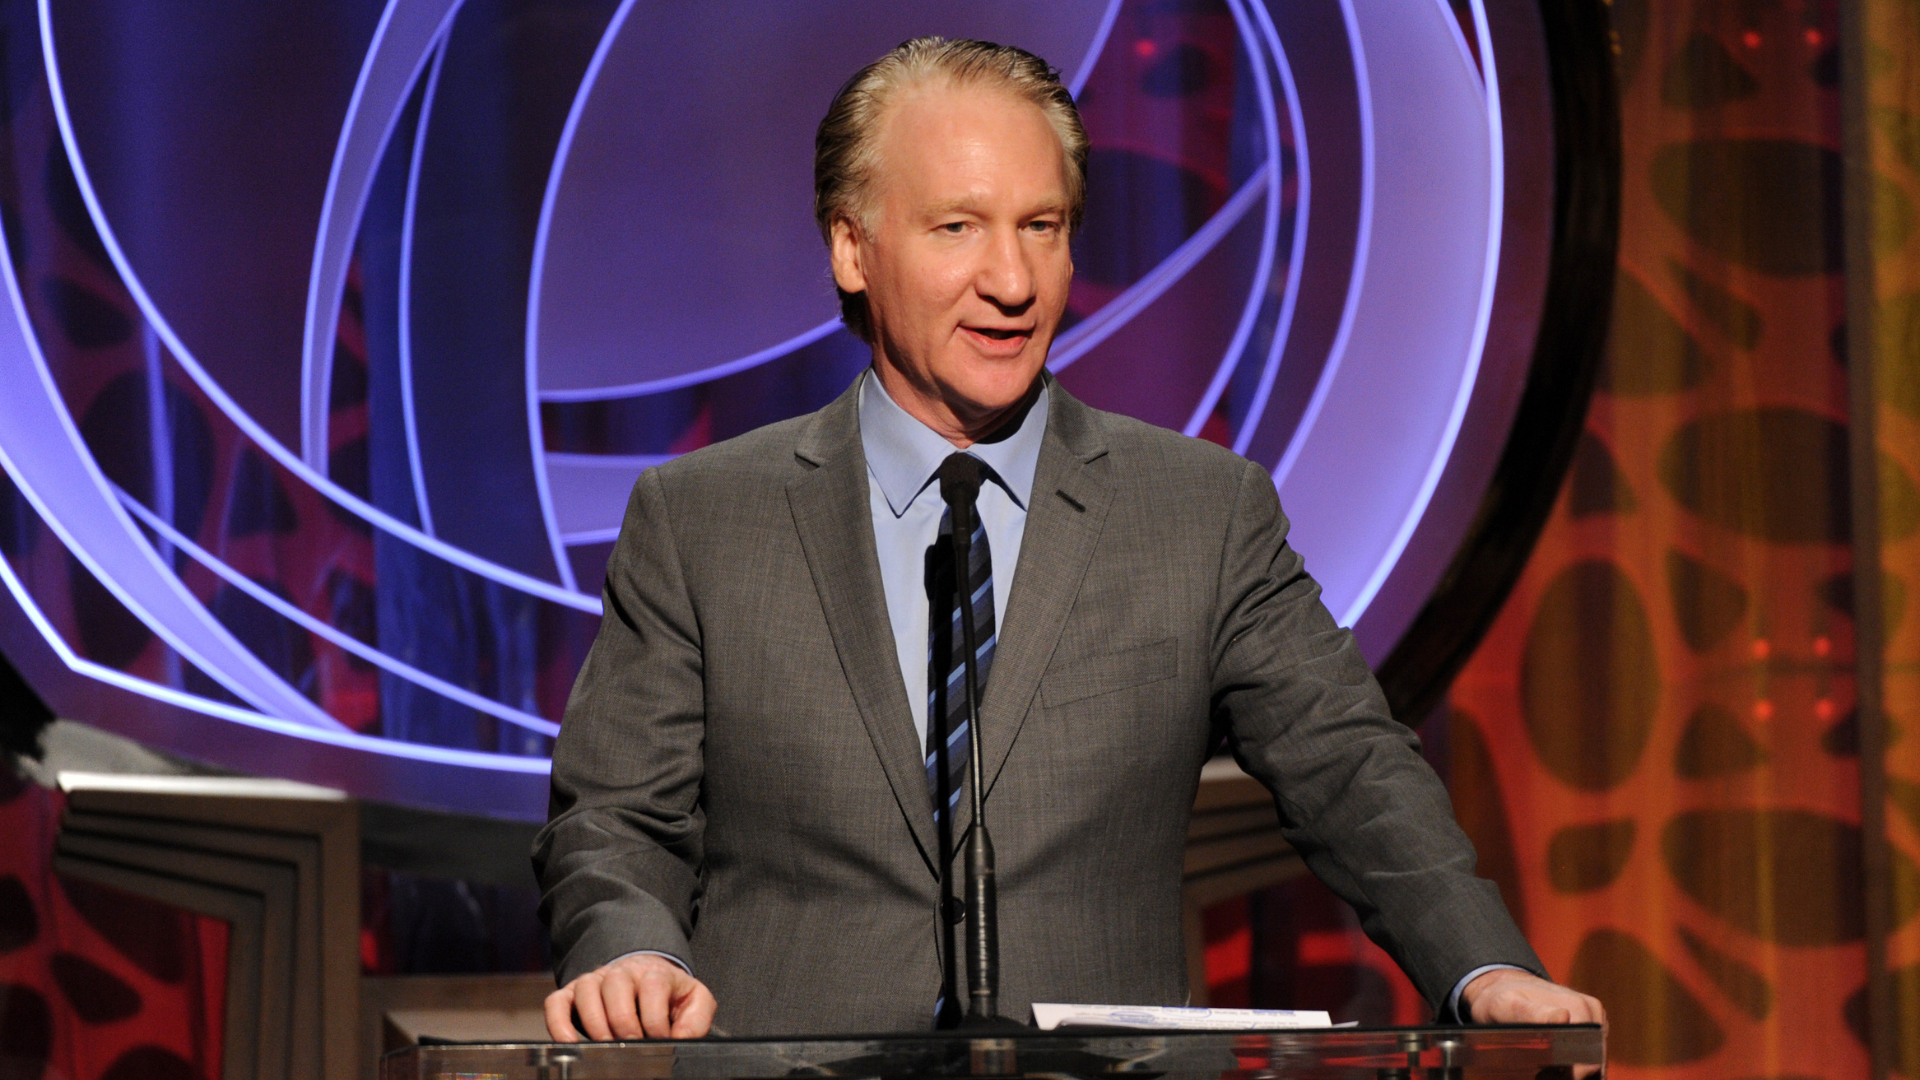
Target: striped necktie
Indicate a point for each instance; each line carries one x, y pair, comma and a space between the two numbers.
948, 740
947, 736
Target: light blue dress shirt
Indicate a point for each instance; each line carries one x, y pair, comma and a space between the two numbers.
903, 462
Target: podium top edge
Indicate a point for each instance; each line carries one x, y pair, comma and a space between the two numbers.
1434, 1033
232, 787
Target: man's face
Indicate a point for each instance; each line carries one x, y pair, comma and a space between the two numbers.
967, 270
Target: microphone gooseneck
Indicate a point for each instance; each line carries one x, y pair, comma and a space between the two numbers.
960, 487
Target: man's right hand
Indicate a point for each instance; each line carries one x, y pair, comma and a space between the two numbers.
635, 997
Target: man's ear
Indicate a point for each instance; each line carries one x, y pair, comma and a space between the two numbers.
848, 273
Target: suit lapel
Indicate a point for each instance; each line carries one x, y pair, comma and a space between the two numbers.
1066, 513
834, 519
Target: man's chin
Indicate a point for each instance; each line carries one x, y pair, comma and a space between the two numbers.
984, 401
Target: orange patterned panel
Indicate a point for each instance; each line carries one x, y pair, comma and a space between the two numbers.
1655, 744
1894, 94
96, 984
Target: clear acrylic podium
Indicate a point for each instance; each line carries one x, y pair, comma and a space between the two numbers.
1428, 1053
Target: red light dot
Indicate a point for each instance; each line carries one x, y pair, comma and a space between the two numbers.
1751, 39
1823, 709
1813, 37
1763, 710
1762, 648
1145, 49
1822, 646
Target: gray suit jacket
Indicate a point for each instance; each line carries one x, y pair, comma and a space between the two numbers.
737, 781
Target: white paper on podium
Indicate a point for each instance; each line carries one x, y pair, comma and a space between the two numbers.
1150, 1017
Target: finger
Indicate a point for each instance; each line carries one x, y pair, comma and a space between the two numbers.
656, 999
592, 1011
693, 1012
618, 993
1580, 1010
559, 1007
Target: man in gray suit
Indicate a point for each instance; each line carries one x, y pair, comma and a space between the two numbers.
756, 789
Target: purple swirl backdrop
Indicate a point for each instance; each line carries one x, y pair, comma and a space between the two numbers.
335, 334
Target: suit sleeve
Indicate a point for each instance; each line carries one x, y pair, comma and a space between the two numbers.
619, 858
1306, 718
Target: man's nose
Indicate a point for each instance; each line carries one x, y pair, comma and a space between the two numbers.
1006, 278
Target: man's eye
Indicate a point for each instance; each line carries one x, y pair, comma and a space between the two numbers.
1044, 226
954, 228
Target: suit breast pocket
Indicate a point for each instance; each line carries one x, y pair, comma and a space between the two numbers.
1109, 673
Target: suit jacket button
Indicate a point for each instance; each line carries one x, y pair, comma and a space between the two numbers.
956, 910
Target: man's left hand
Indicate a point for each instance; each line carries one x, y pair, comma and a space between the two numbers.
1508, 996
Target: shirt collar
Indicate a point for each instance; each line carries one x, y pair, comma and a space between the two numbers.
903, 454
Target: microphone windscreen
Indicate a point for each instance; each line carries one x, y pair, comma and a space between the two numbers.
960, 479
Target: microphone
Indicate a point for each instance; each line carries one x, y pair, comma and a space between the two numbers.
960, 487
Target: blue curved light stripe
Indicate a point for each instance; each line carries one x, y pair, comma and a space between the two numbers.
313, 433
593, 536
159, 432
1099, 45
1362, 242
693, 378
422, 504
1269, 232
1496, 208
638, 463
293, 613
1095, 328
1302, 218
315, 386
342, 737
352, 503
1466, 52
536, 275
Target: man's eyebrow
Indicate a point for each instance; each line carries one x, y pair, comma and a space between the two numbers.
951, 206
970, 206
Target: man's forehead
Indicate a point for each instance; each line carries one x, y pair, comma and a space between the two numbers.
937, 117
958, 144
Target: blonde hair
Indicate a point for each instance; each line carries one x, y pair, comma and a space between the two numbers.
844, 148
